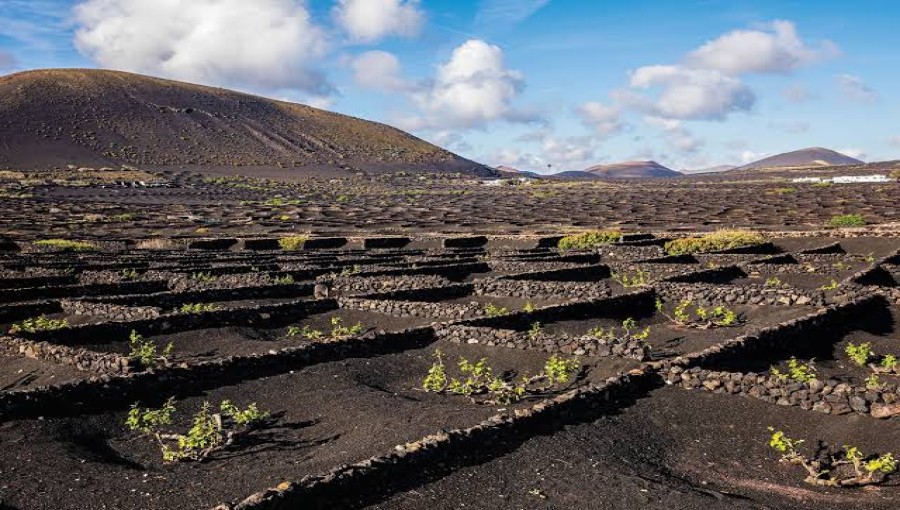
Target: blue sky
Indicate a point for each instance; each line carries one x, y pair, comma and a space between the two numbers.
526, 83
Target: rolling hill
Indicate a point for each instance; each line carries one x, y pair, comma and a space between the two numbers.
51, 118
632, 170
811, 157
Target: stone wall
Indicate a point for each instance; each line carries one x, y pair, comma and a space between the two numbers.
109, 311
829, 396
82, 359
713, 295
535, 289
579, 346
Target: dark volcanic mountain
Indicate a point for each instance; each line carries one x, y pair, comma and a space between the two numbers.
814, 156
632, 170
94, 117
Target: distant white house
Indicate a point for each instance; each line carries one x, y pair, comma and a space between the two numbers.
846, 179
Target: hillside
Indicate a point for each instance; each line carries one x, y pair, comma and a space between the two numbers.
632, 170
811, 157
51, 118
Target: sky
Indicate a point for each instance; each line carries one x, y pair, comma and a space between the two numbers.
541, 85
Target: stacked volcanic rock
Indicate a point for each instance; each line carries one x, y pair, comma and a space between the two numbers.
110, 311
415, 308
535, 289
365, 284
829, 396
712, 295
579, 346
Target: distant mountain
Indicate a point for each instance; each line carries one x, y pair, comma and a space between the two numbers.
574, 174
55, 117
710, 170
632, 170
814, 156
507, 169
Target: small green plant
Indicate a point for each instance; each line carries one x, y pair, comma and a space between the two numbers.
637, 279
203, 277
198, 307
338, 330
283, 280
492, 310
210, 432
831, 286
775, 282
846, 468
860, 354
702, 317
129, 274
848, 220
478, 382
589, 240
888, 364
66, 245
873, 382
352, 270
306, 332
715, 241
797, 371
292, 243
146, 352
529, 307
535, 331
36, 324
629, 331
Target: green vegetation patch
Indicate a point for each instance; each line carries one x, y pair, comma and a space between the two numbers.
589, 240
66, 245
715, 241
848, 220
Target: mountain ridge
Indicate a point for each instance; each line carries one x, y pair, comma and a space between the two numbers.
53, 117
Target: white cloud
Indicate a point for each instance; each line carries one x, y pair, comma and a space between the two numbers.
7, 61
604, 120
517, 159
776, 48
368, 21
675, 134
470, 90
378, 70
854, 89
570, 152
268, 44
894, 141
507, 12
796, 93
750, 157
854, 152
689, 94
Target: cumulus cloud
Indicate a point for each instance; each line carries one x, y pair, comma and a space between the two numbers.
675, 134
378, 70
894, 141
266, 43
854, 152
367, 21
603, 119
853, 88
516, 158
776, 48
473, 88
689, 94
706, 84
796, 93
7, 61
